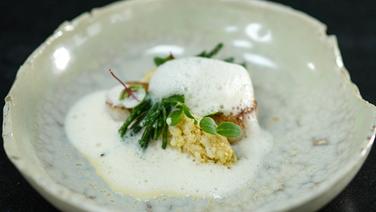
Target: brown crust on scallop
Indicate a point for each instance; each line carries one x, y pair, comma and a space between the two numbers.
115, 106
238, 118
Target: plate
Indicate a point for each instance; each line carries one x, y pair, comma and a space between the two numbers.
323, 130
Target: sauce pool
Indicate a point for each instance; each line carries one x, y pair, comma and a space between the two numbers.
157, 172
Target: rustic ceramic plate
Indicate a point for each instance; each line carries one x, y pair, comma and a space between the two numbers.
322, 128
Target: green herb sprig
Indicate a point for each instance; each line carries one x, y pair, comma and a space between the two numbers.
206, 54
132, 88
127, 90
154, 118
212, 52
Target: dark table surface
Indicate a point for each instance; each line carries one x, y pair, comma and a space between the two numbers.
24, 25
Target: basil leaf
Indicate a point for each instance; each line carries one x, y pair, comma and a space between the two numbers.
208, 125
229, 130
174, 117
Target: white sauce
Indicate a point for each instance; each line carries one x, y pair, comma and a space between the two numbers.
208, 85
157, 172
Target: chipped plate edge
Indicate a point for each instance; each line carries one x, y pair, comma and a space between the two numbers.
65, 199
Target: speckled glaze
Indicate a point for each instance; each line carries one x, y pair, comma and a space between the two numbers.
322, 128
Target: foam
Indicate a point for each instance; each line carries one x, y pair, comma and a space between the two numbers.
157, 172
209, 85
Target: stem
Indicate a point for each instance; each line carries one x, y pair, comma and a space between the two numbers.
126, 88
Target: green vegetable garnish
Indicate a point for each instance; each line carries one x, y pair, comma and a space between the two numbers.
152, 118
229, 130
187, 111
164, 137
155, 117
133, 88
160, 60
229, 59
175, 117
126, 90
173, 100
207, 54
211, 53
137, 112
226, 129
208, 125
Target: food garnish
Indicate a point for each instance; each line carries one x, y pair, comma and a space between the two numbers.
154, 118
171, 119
226, 129
127, 89
206, 54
